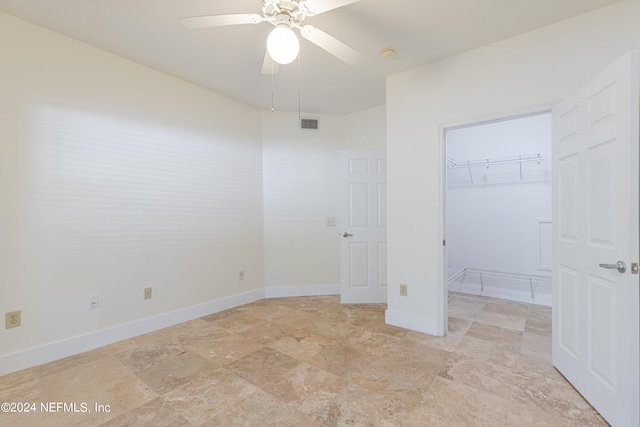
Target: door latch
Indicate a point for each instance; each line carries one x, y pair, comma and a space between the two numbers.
634, 268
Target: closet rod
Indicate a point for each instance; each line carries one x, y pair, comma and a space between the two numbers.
496, 161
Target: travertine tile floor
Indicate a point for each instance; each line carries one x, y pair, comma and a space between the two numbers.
314, 362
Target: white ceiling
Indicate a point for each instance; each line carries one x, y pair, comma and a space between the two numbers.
228, 60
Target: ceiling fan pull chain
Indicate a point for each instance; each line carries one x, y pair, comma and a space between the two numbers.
299, 84
272, 90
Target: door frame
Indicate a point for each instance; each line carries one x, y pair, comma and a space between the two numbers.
442, 132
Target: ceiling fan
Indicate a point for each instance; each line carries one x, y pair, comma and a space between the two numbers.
282, 44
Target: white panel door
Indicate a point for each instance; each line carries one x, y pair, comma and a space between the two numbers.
364, 227
595, 221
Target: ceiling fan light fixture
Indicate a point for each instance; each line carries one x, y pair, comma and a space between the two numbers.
283, 45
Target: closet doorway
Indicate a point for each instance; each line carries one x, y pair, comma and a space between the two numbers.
498, 208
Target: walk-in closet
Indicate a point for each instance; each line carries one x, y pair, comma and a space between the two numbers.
498, 209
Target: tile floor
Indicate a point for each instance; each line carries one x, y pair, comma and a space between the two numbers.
313, 362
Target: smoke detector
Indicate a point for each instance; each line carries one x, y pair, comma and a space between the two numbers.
388, 52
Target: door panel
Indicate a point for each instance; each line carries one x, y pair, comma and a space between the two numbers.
358, 265
382, 264
567, 315
382, 204
567, 192
602, 328
602, 196
358, 204
595, 210
364, 220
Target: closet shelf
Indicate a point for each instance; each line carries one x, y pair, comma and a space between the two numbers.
468, 164
507, 275
523, 158
530, 278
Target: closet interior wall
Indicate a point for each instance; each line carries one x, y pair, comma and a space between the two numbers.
498, 212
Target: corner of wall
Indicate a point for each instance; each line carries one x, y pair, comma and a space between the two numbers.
413, 322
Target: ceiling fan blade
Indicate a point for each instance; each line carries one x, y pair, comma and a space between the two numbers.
221, 20
314, 7
269, 66
330, 44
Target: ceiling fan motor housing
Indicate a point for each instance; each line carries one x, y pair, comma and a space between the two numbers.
282, 19
280, 12
288, 5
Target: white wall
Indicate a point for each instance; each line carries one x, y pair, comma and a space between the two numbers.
492, 223
113, 178
529, 72
301, 190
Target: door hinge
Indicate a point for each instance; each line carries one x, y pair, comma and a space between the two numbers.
634, 268
444, 243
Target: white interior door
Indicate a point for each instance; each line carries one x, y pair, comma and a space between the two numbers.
595, 221
364, 227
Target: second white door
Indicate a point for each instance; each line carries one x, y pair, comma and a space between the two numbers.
364, 227
595, 246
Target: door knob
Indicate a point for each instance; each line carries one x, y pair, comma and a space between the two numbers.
345, 234
620, 266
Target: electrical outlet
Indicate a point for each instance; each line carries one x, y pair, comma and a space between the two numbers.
12, 319
148, 293
403, 290
241, 275
93, 302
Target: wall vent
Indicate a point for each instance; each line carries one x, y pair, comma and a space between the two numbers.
309, 124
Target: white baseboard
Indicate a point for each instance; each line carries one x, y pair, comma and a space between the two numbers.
411, 321
68, 347
301, 291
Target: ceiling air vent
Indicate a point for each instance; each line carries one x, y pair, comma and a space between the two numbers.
309, 124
